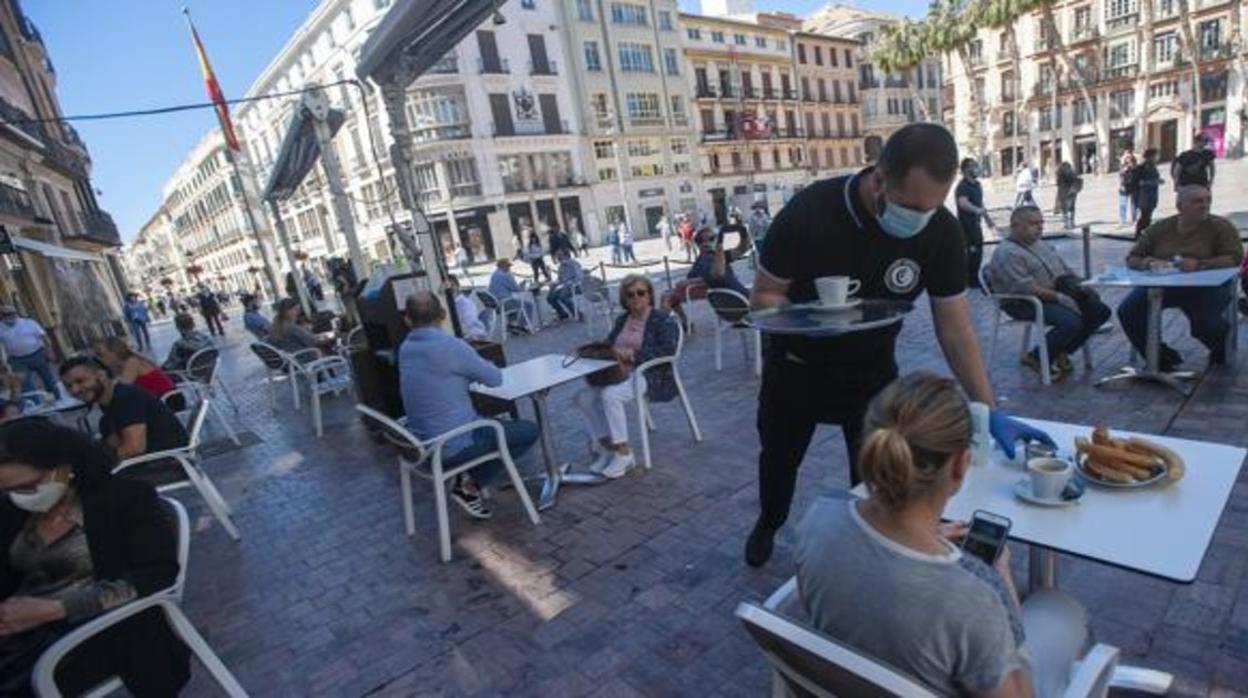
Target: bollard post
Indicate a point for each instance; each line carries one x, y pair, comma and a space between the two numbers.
602, 271
1087, 251
667, 271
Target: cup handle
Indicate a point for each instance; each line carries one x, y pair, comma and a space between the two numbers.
854, 285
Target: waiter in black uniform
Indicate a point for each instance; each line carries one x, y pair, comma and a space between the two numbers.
888, 228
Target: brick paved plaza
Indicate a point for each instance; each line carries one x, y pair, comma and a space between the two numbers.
628, 589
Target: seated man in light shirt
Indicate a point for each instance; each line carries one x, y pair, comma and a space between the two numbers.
1026, 265
1193, 240
562, 295
469, 315
508, 291
435, 371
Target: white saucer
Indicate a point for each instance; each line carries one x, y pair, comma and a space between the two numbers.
821, 307
1022, 490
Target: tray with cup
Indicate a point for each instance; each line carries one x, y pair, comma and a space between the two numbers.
835, 294
1050, 482
1125, 463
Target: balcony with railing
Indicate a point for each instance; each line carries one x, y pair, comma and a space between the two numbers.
726, 91
644, 121
499, 67
1213, 52
771, 93
16, 202
719, 135
96, 226
1121, 71
530, 128
1084, 32
441, 132
704, 91
751, 93
550, 68
1122, 23
447, 65
790, 95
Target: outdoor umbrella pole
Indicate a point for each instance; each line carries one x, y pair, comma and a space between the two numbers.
280, 226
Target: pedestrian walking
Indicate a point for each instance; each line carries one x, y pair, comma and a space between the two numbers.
1127, 188
626, 242
969, 196
210, 310
1194, 166
664, 230
1069, 185
136, 315
26, 344
760, 223
1148, 184
684, 228
1024, 183
533, 254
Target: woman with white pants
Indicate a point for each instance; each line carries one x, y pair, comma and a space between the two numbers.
641, 334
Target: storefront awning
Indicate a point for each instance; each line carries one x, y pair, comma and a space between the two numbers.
47, 250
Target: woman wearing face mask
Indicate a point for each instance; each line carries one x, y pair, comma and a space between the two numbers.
888, 228
76, 542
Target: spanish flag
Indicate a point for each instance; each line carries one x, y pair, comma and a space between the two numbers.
214, 88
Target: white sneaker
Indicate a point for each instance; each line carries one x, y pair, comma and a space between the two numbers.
617, 465
599, 462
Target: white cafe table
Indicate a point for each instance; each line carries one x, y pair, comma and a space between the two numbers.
534, 379
1163, 530
1157, 283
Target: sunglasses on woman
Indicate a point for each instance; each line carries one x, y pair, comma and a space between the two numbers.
637, 293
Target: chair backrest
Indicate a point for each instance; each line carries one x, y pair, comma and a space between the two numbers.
356, 339
729, 305
984, 286
593, 287
202, 366
273, 358
488, 301
196, 423
810, 663
398, 435
184, 544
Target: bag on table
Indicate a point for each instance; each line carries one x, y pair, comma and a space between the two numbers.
599, 350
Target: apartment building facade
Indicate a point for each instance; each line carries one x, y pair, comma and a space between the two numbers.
830, 113
56, 264
205, 210
496, 135
154, 263
889, 101
639, 136
1127, 80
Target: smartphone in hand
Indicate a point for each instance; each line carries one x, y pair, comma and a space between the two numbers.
986, 536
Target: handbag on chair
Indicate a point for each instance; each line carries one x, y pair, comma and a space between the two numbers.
603, 351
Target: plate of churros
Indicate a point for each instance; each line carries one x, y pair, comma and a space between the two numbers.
1125, 463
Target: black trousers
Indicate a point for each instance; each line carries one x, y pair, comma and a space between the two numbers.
793, 400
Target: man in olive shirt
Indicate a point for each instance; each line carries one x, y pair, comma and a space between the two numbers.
1193, 240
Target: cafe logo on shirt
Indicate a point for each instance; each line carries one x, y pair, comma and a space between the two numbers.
902, 276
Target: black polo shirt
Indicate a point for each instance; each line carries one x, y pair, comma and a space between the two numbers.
970, 221
130, 406
823, 231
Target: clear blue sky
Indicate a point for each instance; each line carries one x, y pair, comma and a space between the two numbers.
117, 55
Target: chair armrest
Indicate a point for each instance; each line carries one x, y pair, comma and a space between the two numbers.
313, 351
1091, 675
43, 675
323, 363
1021, 297
438, 441
656, 361
177, 453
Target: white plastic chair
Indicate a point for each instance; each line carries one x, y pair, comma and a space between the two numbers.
595, 296
643, 405
731, 309
1036, 325
167, 600
424, 458
689, 303
278, 366
323, 375
187, 458
502, 312
203, 377
806, 662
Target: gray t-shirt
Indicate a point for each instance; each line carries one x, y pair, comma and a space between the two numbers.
1016, 269
937, 618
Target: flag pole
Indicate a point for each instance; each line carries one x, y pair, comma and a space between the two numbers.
270, 272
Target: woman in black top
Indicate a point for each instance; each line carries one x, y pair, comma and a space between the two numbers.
1147, 182
76, 542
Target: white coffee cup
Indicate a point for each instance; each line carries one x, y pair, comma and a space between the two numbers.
1049, 476
836, 290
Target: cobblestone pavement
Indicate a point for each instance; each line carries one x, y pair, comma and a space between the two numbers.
626, 589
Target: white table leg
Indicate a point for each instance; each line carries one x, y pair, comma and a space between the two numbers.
1152, 353
550, 488
1232, 320
1041, 569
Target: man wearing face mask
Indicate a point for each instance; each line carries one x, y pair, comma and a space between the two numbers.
887, 227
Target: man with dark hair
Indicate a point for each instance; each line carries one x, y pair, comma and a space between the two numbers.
886, 227
969, 196
189, 341
132, 420
1194, 166
435, 370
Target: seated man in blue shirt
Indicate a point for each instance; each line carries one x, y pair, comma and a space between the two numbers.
713, 268
435, 370
561, 295
255, 322
508, 291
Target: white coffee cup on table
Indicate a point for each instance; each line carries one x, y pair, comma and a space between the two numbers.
836, 290
1049, 476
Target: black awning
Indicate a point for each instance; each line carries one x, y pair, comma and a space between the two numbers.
418, 33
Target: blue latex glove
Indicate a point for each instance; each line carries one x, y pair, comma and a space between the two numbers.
1008, 431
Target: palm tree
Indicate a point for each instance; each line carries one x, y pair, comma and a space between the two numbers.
899, 48
1192, 49
1056, 48
950, 30
1004, 15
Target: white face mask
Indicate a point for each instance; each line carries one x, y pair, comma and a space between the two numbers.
901, 222
42, 499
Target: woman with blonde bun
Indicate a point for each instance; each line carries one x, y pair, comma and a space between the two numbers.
885, 576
